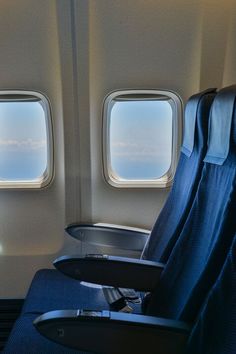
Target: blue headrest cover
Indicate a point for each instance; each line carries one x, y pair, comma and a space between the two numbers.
190, 117
220, 126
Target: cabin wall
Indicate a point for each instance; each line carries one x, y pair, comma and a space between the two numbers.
32, 221
76, 52
176, 45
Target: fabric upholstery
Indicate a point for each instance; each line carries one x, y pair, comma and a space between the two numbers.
215, 329
25, 339
175, 211
51, 290
201, 249
218, 146
190, 116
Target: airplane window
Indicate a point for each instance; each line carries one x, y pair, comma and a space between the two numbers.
136, 152
140, 139
25, 141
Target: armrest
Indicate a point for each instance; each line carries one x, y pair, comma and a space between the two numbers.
113, 332
113, 271
109, 235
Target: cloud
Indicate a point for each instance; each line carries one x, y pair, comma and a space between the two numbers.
143, 150
26, 145
123, 144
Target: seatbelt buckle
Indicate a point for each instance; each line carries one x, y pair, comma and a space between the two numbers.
116, 301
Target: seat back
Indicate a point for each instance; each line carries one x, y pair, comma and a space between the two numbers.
174, 213
201, 249
215, 329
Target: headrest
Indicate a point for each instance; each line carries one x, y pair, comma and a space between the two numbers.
220, 126
190, 118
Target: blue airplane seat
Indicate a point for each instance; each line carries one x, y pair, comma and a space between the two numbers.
215, 329
173, 215
170, 222
201, 249
168, 225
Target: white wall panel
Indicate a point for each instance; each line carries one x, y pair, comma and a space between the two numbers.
178, 45
31, 222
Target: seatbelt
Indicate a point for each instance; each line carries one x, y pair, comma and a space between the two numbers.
119, 299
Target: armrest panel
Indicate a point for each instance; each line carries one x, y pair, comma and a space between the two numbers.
113, 333
121, 272
109, 235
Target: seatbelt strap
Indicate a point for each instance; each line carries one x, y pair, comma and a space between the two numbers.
119, 298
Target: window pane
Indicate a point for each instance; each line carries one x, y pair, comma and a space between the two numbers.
140, 139
23, 141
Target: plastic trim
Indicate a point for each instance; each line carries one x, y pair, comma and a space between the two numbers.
48, 175
154, 94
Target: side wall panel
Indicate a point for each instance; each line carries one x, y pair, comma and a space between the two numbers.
177, 45
32, 222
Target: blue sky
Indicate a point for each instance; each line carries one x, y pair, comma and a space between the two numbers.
23, 146
141, 139
140, 135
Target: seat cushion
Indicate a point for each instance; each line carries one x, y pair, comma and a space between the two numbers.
25, 339
51, 290
170, 221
